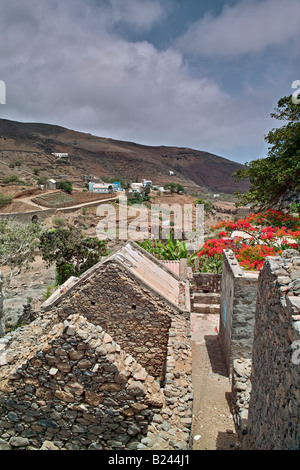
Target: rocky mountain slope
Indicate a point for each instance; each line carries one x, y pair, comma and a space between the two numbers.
28, 147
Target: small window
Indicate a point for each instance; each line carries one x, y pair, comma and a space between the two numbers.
93, 302
133, 307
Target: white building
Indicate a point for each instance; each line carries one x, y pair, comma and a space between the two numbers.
101, 188
51, 184
137, 187
146, 183
60, 155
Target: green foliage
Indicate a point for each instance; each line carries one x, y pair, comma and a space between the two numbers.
59, 221
275, 180
295, 207
49, 291
12, 179
71, 250
207, 264
18, 244
65, 186
208, 206
42, 180
138, 198
64, 271
170, 249
174, 187
4, 200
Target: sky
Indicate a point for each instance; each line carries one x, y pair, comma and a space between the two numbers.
190, 73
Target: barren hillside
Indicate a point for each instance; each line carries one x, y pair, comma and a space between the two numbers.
28, 147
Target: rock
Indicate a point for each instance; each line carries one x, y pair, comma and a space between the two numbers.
290, 253
295, 286
18, 441
136, 389
74, 387
4, 445
64, 396
48, 445
240, 386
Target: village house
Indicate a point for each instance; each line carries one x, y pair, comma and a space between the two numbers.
104, 187
51, 184
105, 363
137, 187
100, 188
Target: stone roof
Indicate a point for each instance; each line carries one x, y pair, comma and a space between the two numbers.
145, 268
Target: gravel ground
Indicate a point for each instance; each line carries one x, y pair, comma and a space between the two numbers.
213, 426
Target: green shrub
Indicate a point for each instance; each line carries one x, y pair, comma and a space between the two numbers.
208, 206
59, 221
49, 291
4, 200
66, 186
12, 179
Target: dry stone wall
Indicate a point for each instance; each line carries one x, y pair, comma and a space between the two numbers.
238, 301
109, 366
69, 385
273, 417
138, 319
78, 389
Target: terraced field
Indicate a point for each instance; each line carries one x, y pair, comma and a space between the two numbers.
53, 199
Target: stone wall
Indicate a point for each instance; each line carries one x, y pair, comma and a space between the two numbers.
28, 217
238, 300
76, 388
69, 385
133, 315
273, 417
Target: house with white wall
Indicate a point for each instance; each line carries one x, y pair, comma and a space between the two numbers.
104, 188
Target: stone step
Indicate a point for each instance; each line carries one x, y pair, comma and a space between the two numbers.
209, 298
206, 308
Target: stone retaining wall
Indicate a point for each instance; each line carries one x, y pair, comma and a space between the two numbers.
28, 217
273, 418
238, 300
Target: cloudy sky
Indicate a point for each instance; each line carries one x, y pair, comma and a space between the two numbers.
190, 73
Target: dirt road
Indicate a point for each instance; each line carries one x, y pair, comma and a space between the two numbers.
213, 426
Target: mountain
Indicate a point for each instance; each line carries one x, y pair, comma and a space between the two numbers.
25, 147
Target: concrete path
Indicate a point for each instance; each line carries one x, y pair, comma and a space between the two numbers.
213, 426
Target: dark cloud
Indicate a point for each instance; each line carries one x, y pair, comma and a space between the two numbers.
66, 63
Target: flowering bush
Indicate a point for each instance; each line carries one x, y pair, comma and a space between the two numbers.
263, 234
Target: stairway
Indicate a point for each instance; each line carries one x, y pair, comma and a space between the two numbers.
202, 302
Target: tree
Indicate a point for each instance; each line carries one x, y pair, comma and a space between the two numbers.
275, 180
17, 249
66, 186
174, 187
72, 252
